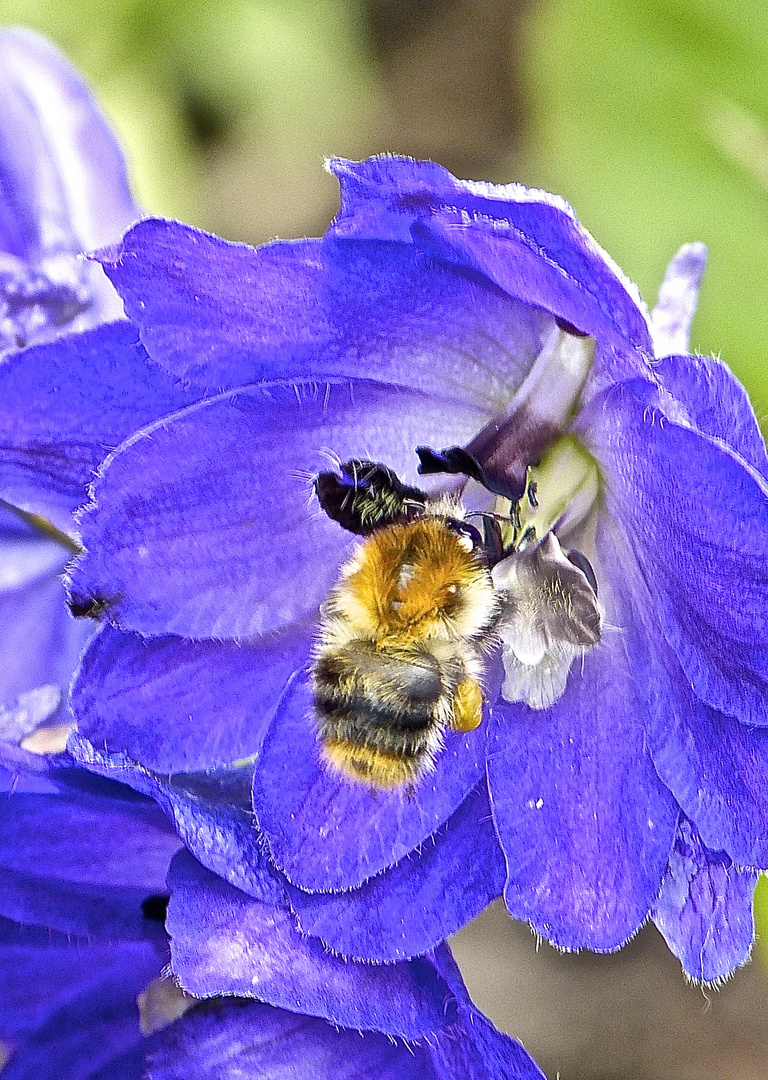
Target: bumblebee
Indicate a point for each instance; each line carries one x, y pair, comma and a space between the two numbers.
399, 655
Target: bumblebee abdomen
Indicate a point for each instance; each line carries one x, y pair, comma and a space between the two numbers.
380, 716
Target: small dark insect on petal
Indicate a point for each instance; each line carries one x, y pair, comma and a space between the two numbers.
155, 907
88, 607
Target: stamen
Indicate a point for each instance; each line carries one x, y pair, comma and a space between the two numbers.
564, 483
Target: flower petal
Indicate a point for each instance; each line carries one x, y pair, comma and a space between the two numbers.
64, 179
40, 642
526, 241
205, 525
224, 942
78, 1004
679, 293
584, 821
218, 314
717, 404
209, 810
65, 405
473, 1047
716, 767
231, 1039
327, 833
63, 190
420, 901
705, 908
176, 705
82, 867
698, 519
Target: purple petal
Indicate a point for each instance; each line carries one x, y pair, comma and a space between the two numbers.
525, 241
717, 404
223, 941
705, 908
40, 972
220, 314
64, 176
584, 821
175, 705
63, 190
40, 642
473, 1047
409, 909
716, 767
205, 524
679, 293
210, 811
698, 521
326, 833
85, 1000
230, 1040
65, 405
79, 866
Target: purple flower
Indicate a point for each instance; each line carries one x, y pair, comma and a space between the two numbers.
620, 771
87, 869
63, 191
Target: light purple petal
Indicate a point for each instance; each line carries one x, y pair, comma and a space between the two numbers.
65, 176
65, 405
585, 823
175, 705
40, 642
716, 767
231, 1040
676, 305
697, 516
63, 190
528, 242
705, 908
411, 907
219, 314
327, 833
717, 404
223, 941
205, 524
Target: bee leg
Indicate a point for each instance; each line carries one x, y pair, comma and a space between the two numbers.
467, 706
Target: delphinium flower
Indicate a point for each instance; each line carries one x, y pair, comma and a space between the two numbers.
619, 771
63, 191
101, 918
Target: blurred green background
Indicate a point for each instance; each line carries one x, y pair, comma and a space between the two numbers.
649, 116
